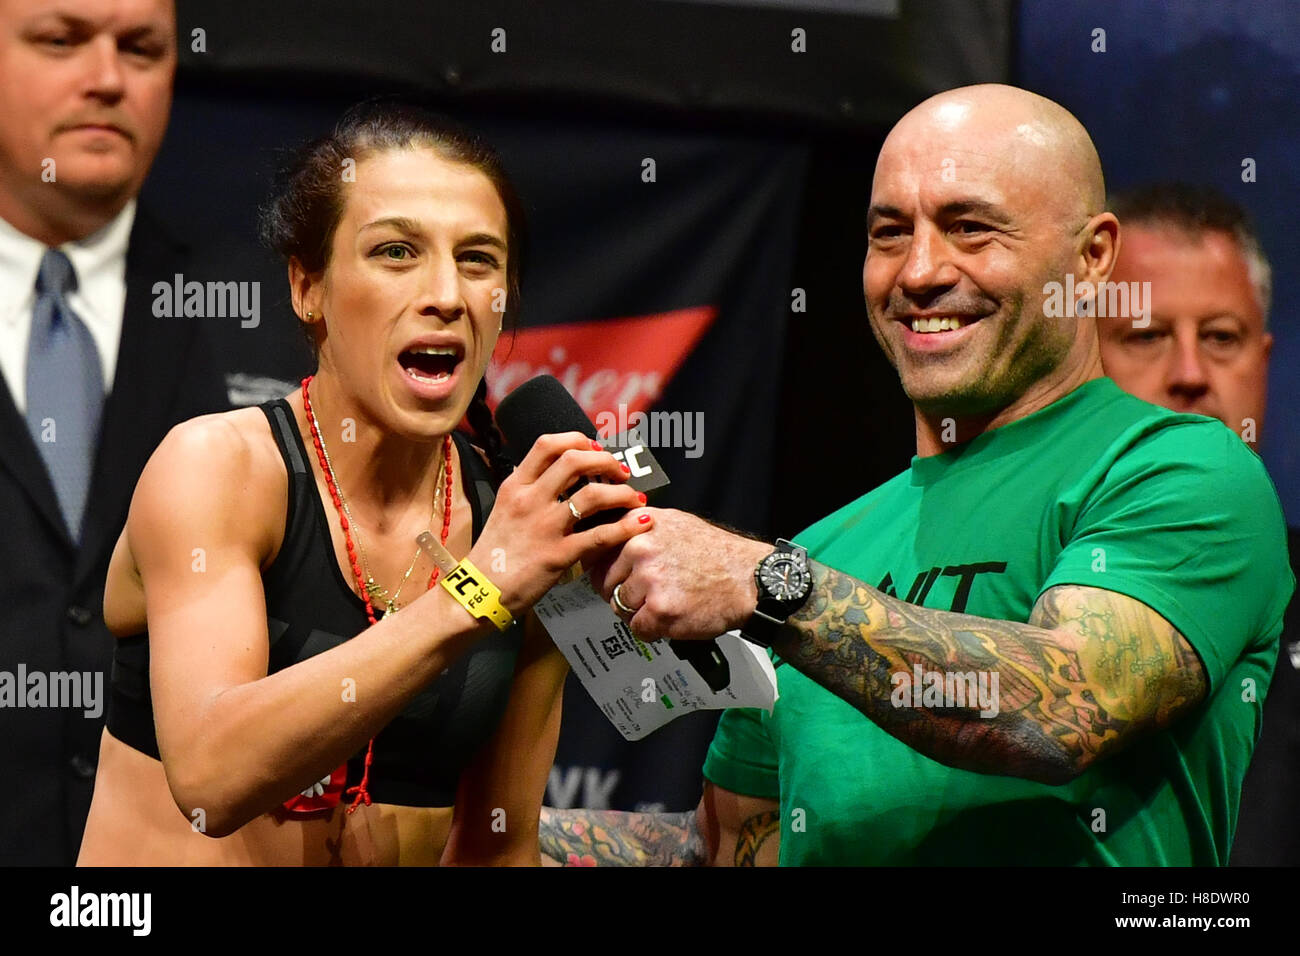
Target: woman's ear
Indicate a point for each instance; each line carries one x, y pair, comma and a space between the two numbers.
303, 290
306, 292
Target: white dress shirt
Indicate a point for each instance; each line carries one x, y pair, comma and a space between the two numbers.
100, 263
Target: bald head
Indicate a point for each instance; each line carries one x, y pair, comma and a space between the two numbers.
985, 199
1037, 142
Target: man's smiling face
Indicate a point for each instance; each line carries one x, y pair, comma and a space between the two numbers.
969, 220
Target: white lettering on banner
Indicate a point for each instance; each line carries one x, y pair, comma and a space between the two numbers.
597, 787
562, 787
593, 388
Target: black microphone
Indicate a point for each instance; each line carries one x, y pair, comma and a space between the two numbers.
542, 406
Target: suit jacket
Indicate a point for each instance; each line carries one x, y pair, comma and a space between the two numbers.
1268, 822
52, 591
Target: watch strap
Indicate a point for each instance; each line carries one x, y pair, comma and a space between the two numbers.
770, 612
761, 629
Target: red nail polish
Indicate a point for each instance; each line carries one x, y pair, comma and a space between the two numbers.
596, 446
640, 496
643, 518
626, 469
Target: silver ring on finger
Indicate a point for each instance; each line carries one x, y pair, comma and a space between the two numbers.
577, 515
618, 600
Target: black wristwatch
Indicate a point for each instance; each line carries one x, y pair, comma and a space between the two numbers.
784, 583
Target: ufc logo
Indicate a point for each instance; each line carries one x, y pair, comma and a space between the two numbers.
629, 457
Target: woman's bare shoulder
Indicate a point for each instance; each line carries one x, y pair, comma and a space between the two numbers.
216, 470
233, 449
242, 431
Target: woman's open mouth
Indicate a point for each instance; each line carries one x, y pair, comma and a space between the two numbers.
431, 369
430, 364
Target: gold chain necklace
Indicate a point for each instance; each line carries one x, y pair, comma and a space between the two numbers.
377, 592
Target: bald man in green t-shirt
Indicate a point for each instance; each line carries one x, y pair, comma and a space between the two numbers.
1048, 641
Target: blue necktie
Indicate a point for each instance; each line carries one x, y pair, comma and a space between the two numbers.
65, 388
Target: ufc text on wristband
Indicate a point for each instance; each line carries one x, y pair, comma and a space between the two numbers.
476, 594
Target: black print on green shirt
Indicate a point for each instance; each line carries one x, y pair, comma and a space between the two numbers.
925, 580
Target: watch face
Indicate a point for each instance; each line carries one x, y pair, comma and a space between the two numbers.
784, 577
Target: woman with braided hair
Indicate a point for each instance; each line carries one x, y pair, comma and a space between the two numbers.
296, 681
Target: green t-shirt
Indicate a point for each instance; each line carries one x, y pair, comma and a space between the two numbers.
1098, 489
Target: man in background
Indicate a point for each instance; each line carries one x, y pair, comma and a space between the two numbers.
92, 379
1206, 350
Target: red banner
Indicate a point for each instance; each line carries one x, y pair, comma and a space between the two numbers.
604, 364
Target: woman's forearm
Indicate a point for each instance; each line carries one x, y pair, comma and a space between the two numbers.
258, 743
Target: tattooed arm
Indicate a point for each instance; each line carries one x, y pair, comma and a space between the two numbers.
1090, 672
726, 829
616, 838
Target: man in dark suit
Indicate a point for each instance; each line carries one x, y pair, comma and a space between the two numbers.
1205, 349
92, 379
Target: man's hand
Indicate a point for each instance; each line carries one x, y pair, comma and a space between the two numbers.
684, 579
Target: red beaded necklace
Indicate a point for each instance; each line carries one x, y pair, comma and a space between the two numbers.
362, 791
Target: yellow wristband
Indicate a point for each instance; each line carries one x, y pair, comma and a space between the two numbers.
476, 594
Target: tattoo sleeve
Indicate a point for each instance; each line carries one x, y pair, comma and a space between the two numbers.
1091, 671
617, 838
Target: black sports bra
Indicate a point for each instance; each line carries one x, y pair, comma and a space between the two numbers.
419, 756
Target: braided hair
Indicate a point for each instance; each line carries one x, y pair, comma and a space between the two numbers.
485, 428
300, 220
